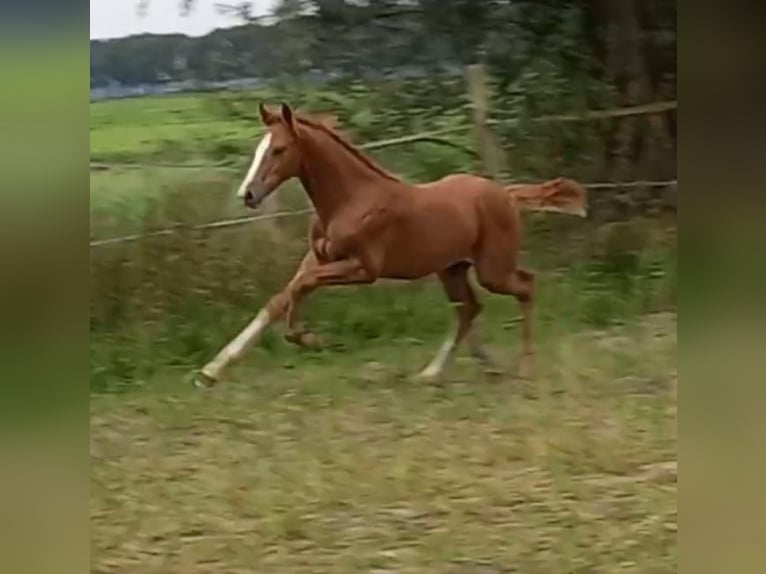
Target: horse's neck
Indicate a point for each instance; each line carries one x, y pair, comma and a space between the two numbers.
335, 178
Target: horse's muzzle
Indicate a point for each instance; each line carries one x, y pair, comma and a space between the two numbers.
254, 198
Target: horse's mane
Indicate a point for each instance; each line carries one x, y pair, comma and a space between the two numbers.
355, 151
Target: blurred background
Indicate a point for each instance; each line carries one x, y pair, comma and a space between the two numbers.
330, 460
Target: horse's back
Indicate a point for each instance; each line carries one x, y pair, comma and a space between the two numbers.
456, 183
478, 194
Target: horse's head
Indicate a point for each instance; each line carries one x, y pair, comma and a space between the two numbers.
277, 156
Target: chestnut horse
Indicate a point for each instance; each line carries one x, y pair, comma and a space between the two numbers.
370, 224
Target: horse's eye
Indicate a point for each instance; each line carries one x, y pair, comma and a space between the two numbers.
277, 150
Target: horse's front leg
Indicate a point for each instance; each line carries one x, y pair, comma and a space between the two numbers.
273, 311
342, 272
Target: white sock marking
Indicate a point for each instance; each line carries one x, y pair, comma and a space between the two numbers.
248, 334
260, 152
437, 363
236, 347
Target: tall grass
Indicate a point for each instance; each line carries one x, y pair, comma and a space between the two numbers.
173, 301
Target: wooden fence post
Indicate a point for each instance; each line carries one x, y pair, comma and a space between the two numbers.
489, 150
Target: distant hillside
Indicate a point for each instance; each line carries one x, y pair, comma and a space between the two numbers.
302, 47
154, 58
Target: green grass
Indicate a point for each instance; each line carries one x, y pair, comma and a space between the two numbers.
157, 129
194, 127
332, 460
175, 303
191, 130
347, 466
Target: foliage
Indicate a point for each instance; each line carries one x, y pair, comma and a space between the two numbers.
391, 67
384, 38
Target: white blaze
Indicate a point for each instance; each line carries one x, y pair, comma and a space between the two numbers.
260, 152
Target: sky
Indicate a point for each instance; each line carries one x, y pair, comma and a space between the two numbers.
118, 18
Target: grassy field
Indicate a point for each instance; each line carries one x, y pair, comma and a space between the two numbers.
192, 130
333, 460
159, 129
194, 127
347, 466
173, 300
176, 130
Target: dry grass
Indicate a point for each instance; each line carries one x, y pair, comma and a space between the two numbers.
346, 466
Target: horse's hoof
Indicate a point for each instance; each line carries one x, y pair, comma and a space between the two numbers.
202, 380
303, 339
492, 372
426, 377
526, 366
526, 372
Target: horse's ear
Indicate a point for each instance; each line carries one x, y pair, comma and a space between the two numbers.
287, 116
267, 116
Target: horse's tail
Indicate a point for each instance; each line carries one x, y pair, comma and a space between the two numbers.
561, 194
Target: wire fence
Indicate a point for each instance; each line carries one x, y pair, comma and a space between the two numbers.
435, 136
204, 226
293, 213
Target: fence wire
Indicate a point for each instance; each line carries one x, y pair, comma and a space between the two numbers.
435, 136
224, 223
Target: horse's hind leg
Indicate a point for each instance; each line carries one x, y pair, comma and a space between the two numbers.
467, 307
459, 289
521, 284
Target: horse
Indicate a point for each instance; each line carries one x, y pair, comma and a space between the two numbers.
369, 224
